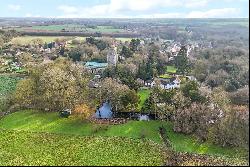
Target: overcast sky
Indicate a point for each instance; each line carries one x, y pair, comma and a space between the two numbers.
125, 8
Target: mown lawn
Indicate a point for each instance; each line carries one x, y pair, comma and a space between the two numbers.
28, 149
144, 95
171, 69
52, 123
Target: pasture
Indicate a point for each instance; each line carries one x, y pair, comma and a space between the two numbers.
72, 28
25, 40
44, 149
34, 121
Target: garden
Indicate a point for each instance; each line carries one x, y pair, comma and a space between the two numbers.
144, 95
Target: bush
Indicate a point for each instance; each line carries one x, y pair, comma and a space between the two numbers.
83, 111
232, 130
143, 134
240, 97
191, 89
4, 104
196, 119
98, 128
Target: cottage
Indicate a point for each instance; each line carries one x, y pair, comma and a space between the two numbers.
175, 50
148, 83
140, 81
191, 78
47, 50
170, 85
173, 83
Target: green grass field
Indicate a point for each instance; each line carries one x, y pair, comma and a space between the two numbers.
25, 40
144, 95
28, 149
171, 69
31, 121
52, 123
104, 29
72, 28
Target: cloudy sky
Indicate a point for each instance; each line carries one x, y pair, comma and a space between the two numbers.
125, 8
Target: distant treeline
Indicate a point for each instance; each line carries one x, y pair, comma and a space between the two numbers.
84, 34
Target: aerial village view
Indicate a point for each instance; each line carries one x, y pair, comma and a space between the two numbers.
124, 83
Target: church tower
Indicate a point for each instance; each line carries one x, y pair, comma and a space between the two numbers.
112, 57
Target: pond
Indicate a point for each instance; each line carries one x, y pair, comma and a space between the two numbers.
143, 117
105, 112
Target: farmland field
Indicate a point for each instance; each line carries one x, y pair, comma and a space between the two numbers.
25, 40
31, 121
26, 148
72, 28
104, 29
51, 27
